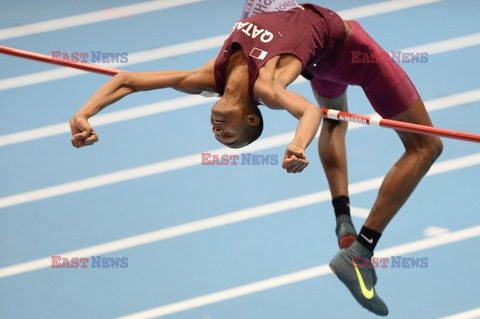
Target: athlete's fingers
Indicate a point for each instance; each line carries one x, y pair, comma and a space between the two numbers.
93, 138
294, 165
77, 143
289, 161
83, 135
294, 150
293, 169
301, 164
82, 131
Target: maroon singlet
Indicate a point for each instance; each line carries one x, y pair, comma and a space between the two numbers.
317, 37
310, 32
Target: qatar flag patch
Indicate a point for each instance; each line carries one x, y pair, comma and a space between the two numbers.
258, 54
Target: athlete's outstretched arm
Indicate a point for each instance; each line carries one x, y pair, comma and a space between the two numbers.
270, 87
124, 83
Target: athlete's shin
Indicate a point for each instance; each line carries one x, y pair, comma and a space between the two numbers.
332, 152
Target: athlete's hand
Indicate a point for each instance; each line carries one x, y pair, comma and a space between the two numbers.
295, 160
82, 132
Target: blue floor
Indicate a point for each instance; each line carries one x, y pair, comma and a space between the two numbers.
204, 262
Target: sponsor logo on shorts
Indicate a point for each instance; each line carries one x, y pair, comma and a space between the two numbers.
394, 262
397, 56
242, 159
90, 57
92, 262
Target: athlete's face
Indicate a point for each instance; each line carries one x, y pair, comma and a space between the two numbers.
235, 125
232, 123
229, 129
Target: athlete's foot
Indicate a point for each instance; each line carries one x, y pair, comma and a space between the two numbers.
345, 231
358, 279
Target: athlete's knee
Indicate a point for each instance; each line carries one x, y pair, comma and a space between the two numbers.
428, 150
330, 126
434, 148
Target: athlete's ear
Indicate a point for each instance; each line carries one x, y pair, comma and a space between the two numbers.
253, 119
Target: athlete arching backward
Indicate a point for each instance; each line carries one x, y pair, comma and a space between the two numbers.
263, 55
330, 91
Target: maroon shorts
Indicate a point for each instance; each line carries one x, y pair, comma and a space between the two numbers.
361, 61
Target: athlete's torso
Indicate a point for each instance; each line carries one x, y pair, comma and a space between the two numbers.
310, 33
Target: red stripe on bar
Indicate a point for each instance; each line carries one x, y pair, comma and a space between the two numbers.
343, 116
409, 127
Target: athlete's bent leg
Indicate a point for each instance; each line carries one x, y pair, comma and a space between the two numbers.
420, 153
332, 152
331, 146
